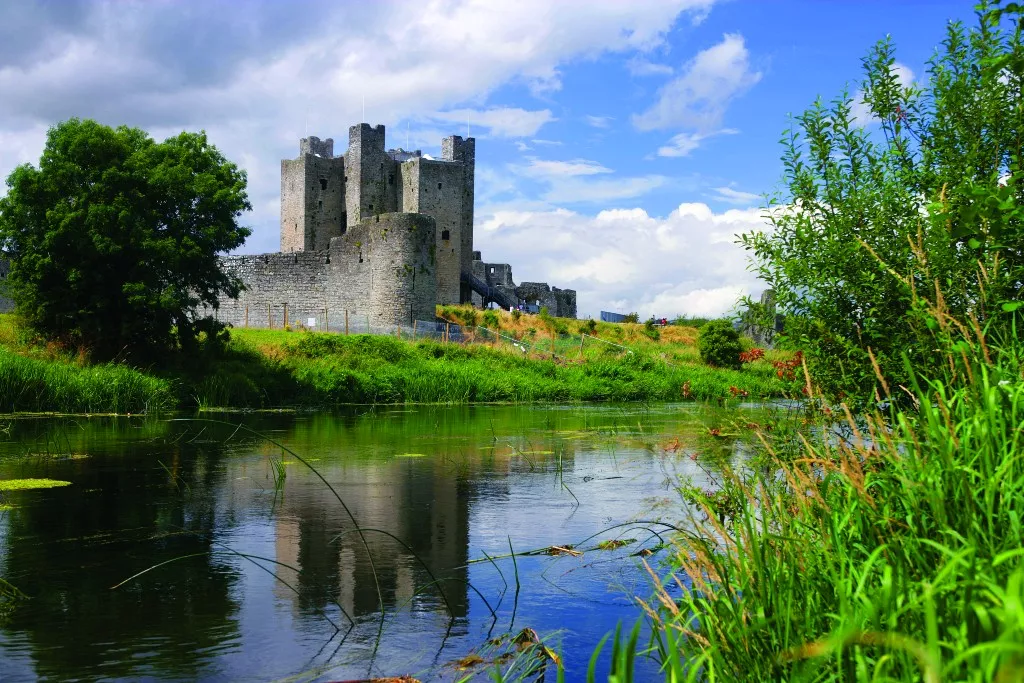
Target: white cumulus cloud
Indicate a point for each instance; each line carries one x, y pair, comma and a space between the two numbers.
259, 80
698, 97
507, 122
627, 260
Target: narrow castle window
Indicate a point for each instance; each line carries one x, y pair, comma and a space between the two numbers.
391, 178
323, 183
371, 207
320, 205
439, 186
446, 235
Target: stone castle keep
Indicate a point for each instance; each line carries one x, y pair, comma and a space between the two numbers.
381, 234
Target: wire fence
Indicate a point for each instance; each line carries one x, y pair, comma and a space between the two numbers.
567, 347
344, 322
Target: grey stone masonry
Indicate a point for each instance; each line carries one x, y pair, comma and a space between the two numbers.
334, 213
312, 197
277, 285
370, 174
382, 270
386, 268
463, 151
559, 302
434, 188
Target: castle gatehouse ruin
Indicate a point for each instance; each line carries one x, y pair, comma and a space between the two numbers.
379, 234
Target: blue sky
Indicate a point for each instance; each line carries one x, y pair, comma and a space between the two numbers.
620, 145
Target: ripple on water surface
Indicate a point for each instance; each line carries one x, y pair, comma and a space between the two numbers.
257, 572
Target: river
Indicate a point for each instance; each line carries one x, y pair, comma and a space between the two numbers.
266, 577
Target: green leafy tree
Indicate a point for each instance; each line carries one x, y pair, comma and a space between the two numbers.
114, 238
719, 344
918, 210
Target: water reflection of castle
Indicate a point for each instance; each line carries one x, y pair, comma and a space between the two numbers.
421, 501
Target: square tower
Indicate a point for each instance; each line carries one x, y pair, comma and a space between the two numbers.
371, 174
312, 197
454, 148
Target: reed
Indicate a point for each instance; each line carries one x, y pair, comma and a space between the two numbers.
57, 385
887, 546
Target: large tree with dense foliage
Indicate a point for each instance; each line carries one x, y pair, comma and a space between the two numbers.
917, 211
114, 238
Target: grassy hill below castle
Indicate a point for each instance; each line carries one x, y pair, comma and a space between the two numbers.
510, 361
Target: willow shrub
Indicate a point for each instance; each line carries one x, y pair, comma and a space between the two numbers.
925, 185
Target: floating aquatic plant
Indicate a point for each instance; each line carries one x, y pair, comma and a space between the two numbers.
29, 484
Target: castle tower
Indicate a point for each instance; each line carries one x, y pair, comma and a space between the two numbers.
312, 197
454, 148
370, 174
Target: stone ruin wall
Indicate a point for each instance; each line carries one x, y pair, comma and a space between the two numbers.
559, 302
386, 265
434, 188
383, 268
455, 148
299, 280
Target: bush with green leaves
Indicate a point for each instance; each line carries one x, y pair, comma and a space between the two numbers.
926, 198
719, 345
588, 326
114, 239
491, 320
651, 331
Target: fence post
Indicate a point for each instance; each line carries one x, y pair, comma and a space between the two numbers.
583, 338
327, 328
447, 331
368, 324
552, 345
247, 315
346, 321
285, 314
270, 318
414, 330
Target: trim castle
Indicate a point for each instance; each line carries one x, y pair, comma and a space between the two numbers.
383, 234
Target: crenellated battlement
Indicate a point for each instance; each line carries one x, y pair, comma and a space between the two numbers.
455, 148
316, 146
363, 137
324, 196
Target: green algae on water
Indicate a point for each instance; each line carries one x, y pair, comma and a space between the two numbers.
30, 484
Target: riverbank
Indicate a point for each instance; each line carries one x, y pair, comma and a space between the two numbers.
278, 368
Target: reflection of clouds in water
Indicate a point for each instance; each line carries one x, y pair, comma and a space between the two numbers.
470, 491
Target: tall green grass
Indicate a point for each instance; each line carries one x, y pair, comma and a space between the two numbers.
42, 385
330, 368
892, 554
274, 368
